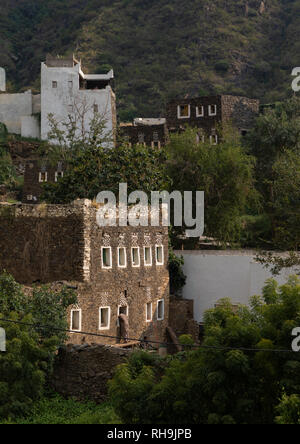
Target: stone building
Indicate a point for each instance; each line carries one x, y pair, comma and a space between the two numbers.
208, 113
147, 132
114, 269
65, 91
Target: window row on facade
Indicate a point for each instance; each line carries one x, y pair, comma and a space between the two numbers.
184, 111
153, 312
135, 256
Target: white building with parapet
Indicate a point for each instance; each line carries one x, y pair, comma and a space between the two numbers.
66, 92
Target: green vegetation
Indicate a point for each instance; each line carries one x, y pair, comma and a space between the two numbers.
27, 363
222, 383
56, 410
158, 48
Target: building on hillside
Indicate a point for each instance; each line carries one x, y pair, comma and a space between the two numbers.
147, 132
66, 91
209, 113
38, 172
114, 269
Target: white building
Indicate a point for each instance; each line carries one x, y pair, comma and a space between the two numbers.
214, 275
66, 92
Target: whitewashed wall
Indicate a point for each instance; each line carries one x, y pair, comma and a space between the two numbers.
213, 275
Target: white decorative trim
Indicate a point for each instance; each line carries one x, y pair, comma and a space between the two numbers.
163, 255
200, 114
149, 320
210, 110
56, 175
213, 139
109, 318
40, 177
105, 267
179, 116
122, 266
157, 311
151, 261
139, 256
80, 319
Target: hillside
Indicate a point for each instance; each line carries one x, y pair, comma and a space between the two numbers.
158, 48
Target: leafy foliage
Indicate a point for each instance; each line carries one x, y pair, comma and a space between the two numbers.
234, 378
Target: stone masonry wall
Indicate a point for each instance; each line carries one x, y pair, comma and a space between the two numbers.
82, 372
42, 243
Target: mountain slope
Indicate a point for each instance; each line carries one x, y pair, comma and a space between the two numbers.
159, 48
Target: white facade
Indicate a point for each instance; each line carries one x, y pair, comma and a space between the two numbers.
214, 275
65, 90
64, 93
15, 112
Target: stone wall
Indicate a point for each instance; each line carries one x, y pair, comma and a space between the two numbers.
150, 135
42, 243
82, 372
181, 318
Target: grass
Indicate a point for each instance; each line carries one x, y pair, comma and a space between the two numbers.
56, 410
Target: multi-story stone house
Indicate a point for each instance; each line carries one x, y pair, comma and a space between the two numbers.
113, 269
209, 113
147, 132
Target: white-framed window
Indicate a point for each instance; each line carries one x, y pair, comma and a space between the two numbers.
155, 144
58, 175
200, 111
122, 257
213, 139
212, 110
149, 312
159, 254
54, 84
200, 138
75, 320
29, 197
135, 256
106, 257
161, 310
184, 111
148, 256
43, 177
104, 318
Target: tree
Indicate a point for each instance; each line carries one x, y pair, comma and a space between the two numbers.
236, 377
45, 305
23, 367
224, 172
98, 169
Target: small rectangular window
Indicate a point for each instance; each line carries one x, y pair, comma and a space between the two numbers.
106, 257
149, 312
104, 318
200, 111
96, 108
58, 175
122, 259
184, 111
75, 320
135, 256
54, 84
70, 108
212, 110
214, 139
160, 310
159, 255
70, 84
148, 256
43, 177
